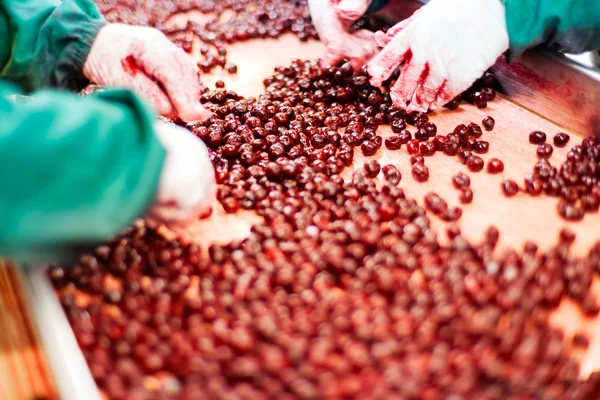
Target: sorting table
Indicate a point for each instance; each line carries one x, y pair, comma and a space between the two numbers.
518, 219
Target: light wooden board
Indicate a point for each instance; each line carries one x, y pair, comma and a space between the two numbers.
24, 372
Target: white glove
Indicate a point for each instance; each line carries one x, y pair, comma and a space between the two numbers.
144, 60
351, 10
187, 183
445, 47
332, 23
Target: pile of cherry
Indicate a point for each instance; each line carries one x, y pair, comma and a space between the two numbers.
344, 291
242, 20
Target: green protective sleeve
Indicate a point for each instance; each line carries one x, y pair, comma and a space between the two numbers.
375, 6
74, 170
44, 43
570, 26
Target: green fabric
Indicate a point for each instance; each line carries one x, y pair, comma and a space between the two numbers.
44, 43
74, 170
571, 26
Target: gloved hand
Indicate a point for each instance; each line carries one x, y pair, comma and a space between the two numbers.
187, 183
351, 10
144, 60
332, 22
445, 47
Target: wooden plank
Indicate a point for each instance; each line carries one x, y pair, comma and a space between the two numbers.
23, 369
38, 369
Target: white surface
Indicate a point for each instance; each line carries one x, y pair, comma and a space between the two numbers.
69, 368
584, 59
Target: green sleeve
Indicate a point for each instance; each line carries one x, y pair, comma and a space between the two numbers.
44, 43
74, 170
571, 26
375, 6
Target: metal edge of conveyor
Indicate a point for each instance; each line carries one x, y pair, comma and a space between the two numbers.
563, 89
68, 366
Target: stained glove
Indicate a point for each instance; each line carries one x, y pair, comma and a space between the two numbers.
187, 183
144, 60
332, 21
445, 47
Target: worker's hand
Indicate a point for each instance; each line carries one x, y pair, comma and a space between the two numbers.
144, 60
332, 19
350, 10
187, 183
445, 47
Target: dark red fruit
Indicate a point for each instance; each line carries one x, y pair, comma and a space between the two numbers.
420, 172
545, 150
451, 214
461, 130
474, 130
413, 147
393, 142
405, 136
475, 163
510, 188
466, 196
398, 125
369, 148
421, 135
231, 205
537, 137
488, 123
561, 139
495, 166
461, 181
427, 149
481, 147
391, 174
372, 168
580, 340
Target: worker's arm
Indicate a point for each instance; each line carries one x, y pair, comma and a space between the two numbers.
446, 45
75, 171
45, 43
571, 26
67, 43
